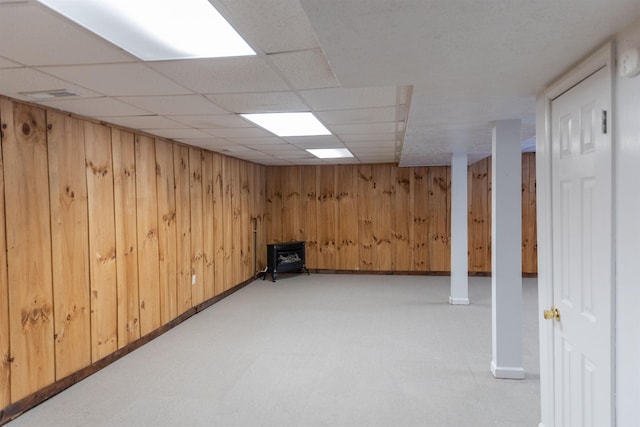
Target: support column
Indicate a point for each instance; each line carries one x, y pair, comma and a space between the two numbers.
506, 250
459, 235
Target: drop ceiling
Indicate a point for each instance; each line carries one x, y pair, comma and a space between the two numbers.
407, 81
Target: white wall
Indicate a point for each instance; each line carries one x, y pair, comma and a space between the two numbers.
627, 209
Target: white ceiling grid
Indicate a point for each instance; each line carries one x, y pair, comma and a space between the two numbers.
369, 69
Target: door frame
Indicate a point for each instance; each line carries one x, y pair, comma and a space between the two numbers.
603, 57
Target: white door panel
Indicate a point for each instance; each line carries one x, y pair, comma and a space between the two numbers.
582, 248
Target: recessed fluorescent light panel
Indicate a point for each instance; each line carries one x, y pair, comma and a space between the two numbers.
330, 153
289, 124
157, 29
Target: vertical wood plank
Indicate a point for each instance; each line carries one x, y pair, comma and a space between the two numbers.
69, 243
479, 218
382, 221
274, 221
246, 253
347, 249
227, 176
24, 147
197, 243
421, 219
440, 228
260, 183
327, 219
5, 365
148, 246
402, 220
236, 218
167, 231
219, 225
367, 193
309, 215
183, 226
102, 242
208, 253
290, 181
124, 195
529, 232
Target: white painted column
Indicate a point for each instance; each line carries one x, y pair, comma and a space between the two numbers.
506, 250
459, 236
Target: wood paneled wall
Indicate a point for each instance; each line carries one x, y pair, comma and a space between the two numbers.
479, 198
363, 217
385, 218
101, 231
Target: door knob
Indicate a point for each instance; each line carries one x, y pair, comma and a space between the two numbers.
552, 313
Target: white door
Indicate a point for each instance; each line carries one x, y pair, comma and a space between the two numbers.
582, 254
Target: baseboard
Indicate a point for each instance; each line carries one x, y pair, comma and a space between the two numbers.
458, 301
17, 408
507, 373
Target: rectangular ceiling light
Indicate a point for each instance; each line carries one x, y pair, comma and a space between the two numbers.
157, 29
289, 124
330, 153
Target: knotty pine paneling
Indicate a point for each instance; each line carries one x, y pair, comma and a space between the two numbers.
421, 220
309, 213
529, 226
148, 245
69, 243
236, 242
402, 225
167, 231
440, 218
5, 365
327, 218
102, 242
98, 221
403, 215
208, 226
347, 247
183, 227
28, 223
197, 238
229, 235
367, 193
218, 224
124, 197
479, 219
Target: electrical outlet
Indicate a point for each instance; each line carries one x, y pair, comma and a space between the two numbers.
193, 279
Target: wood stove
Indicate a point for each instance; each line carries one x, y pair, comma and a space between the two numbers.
285, 257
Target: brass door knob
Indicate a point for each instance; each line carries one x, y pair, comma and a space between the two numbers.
552, 313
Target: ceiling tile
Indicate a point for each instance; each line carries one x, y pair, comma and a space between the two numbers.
266, 102
223, 75
209, 142
368, 137
341, 99
52, 38
118, 79
359, 115
314, 140
238, 132
178, 133
365, 128
142, 122
213, 121
307, 69
272, 25
174, 105
96, 107
256, 142
18, 80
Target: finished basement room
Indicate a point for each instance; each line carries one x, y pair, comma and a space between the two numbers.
319, 213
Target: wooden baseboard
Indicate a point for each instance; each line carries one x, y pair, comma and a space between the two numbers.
409, 273
15, 409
